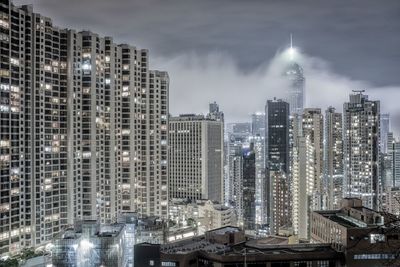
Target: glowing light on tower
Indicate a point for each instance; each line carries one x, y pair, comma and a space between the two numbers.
294, 73
291, 50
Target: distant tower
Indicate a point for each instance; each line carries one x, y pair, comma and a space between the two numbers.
249, 188
295, 94
214, 112
385, 128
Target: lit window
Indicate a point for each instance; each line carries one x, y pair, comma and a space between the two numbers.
14, 61
86, 66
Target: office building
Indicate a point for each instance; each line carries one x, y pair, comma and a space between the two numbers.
295, 94
277, 135
277, 160
333, 158
258, 124
196, 158
384, 130
361, 118
214, 112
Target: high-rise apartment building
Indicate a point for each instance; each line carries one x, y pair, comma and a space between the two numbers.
301, 177
258, 139
33, 136
118, 128
84, 129
333, 158
280, 201
259, 150
361, 149
312, 130
196, 158
306, 170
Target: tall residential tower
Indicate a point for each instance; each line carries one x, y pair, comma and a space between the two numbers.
361, 149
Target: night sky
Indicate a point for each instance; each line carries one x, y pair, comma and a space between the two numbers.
228, 50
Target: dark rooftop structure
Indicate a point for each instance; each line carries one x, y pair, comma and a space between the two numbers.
228, 246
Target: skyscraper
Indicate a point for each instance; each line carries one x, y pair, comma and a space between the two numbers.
249, 188
277, 155
333, 158
258, 138
312, 130
259, 151
293, 72
196, 158
384, 130
83, 129
258, 124
361, 148
238, 136
277, 135
302, 160
306, 170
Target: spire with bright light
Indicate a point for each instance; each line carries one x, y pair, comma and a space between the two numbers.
292, 51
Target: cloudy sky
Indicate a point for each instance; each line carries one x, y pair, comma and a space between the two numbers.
229, 50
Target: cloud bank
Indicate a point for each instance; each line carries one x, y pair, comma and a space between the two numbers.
198, 79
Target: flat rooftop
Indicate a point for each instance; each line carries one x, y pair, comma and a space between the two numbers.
343, 219
224, 230
192, 245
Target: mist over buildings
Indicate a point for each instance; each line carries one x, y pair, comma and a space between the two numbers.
197, 79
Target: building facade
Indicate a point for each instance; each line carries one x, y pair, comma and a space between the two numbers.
361, 120
248, 188
196, 158
333, 158
277, 160
295, 94
367, 237
84, 129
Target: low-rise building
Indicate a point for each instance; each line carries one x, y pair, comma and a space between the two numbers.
89, 243
228, 246
367, 237
205, 215
393, 200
